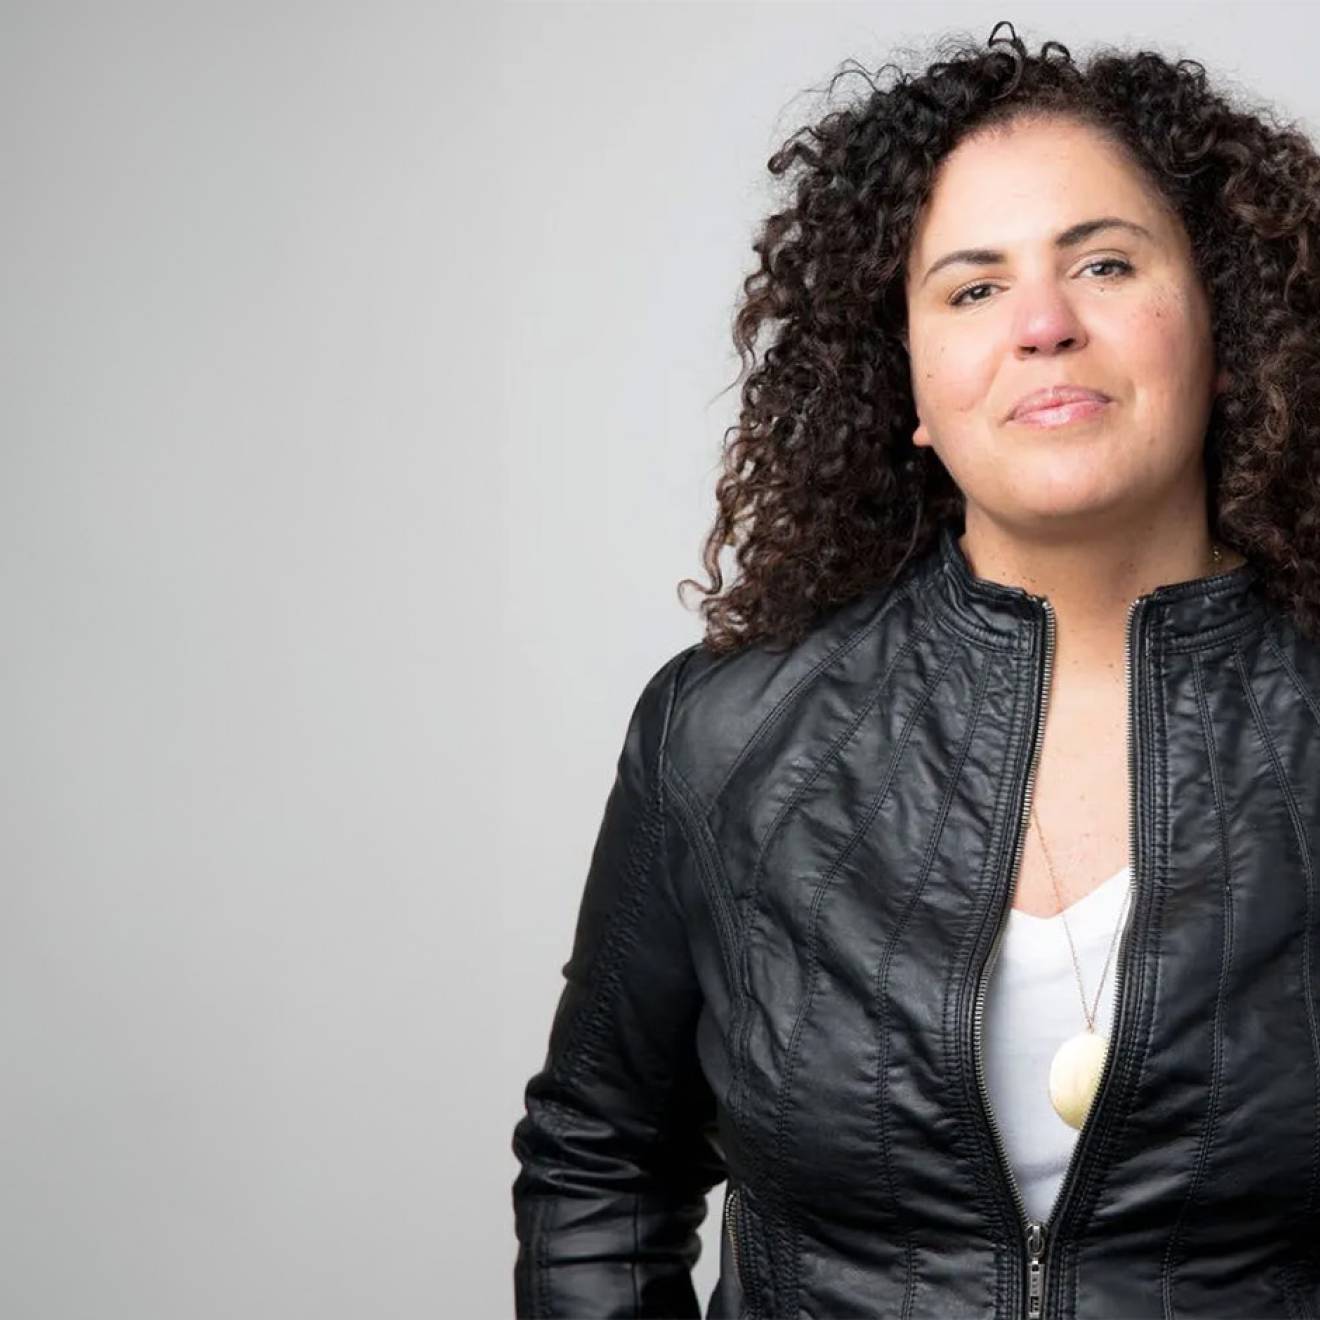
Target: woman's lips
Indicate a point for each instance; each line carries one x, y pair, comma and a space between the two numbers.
1061, 414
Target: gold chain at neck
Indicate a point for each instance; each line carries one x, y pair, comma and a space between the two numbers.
1087, 1013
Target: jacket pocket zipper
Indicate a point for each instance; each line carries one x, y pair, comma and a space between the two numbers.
749, 1308
731, 1227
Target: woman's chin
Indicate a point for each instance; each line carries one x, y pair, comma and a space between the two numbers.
1065, 501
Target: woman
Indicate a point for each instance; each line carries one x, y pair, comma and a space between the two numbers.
956, 900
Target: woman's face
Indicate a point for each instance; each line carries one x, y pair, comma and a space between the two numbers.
1115, 310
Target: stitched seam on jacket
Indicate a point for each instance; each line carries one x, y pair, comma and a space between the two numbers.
779, 1213
976, 634
1210, 1133
621, 923
835, 749
1308, 981
740, 1027
1308, 698
617, 941
899, 593
1216, 636
691, 820
1294, 678
882, 972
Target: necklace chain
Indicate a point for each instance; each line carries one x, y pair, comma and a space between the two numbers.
1054, 880
1088, 1014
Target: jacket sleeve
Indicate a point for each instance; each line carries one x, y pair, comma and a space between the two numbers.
618, 1145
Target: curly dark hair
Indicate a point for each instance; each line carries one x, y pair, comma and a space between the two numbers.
823, 495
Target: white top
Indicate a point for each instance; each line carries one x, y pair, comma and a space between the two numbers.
1032, 1005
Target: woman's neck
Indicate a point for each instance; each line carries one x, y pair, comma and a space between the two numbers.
1091, 582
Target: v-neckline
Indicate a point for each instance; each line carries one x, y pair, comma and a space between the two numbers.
1103, 887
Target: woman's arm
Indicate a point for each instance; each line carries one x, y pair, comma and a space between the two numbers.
618, 1145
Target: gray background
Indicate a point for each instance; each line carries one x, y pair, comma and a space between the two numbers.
359, 411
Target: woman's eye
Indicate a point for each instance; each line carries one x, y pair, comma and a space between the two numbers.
960, 298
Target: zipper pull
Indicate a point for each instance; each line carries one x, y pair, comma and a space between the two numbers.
1035, 1269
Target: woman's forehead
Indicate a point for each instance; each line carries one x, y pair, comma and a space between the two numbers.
1002, 199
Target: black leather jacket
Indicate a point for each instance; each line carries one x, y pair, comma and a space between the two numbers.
802, 874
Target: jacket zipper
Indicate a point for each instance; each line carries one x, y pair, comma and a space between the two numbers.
1036, 1232
734, 1228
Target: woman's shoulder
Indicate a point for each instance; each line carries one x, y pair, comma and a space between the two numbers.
719, 706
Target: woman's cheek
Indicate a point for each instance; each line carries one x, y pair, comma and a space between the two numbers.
959, 381
1167, 334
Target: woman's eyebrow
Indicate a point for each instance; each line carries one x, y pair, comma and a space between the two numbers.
1065, 238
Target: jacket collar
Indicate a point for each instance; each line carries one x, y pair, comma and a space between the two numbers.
1191, 611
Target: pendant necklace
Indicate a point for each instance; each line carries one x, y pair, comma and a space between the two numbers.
1078, 1063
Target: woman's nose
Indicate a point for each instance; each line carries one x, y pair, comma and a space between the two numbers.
1046, 321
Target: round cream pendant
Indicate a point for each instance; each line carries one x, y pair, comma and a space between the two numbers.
1075, 1075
